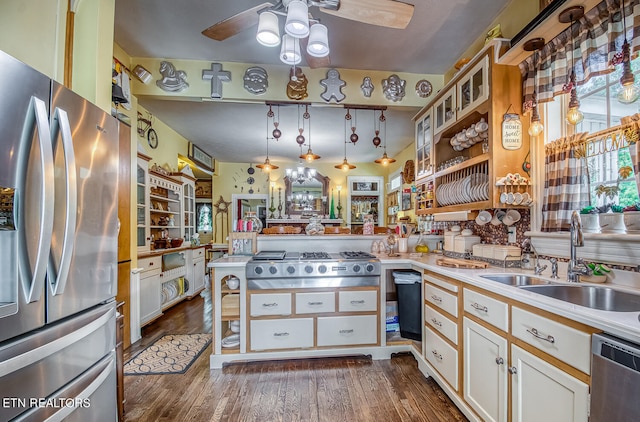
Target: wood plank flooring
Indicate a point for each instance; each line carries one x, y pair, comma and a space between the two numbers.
326, 389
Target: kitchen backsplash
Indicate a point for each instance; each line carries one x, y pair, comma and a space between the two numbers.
497, 234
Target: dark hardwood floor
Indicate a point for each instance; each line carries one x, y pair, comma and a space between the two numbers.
324, 389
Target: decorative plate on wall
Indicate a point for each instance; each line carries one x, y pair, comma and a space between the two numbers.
408, 173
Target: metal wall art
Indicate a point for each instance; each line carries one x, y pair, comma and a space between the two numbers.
217, 76
256, 80
332, 86
297, 86
423, 88
367, 86
394, 88
172, 80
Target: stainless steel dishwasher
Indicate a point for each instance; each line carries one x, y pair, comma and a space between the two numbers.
615, 379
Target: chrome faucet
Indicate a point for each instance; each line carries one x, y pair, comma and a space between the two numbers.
537, 269
576, 267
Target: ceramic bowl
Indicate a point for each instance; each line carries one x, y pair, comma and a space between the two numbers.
233, 283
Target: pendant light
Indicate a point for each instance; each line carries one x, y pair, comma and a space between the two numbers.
574, 115
318, 44
267, 166
629, 92
290, 51
345, 165
384, 160
297, 24
309, 156
268, 30
535, 127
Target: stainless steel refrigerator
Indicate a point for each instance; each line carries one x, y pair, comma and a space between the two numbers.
58, 251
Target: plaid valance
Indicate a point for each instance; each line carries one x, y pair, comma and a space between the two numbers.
598, 36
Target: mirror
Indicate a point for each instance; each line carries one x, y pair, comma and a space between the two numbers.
306, 197
243, 203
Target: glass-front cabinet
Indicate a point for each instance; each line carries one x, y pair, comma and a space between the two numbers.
424, 145
188, 205
473, 89
142, 203
445, 111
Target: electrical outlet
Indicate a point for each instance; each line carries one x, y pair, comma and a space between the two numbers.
512, 234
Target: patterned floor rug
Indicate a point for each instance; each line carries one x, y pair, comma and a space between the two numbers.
171, 354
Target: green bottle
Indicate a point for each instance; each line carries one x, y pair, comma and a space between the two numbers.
332, 214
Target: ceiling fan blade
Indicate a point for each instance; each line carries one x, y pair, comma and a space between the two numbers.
388, 13
236, 23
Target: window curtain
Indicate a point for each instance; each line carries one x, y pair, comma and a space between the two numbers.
566, 187
598, 36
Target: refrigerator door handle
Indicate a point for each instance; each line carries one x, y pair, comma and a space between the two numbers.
33, 279
60, 124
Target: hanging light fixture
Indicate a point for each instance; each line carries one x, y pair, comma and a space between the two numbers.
384, 160
536, 127
574, 115
345, 165
629, 92
298, 25
309, 156
267, 166
376, 128
301, 174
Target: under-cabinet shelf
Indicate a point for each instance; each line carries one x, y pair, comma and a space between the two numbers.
162, 198
463, 165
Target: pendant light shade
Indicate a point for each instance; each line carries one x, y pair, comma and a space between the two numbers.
268, 30
535, 127
385, 160
310, 156
345, 166
318, 45
629, 92
574, 115
290, 50
297, 24
267, 166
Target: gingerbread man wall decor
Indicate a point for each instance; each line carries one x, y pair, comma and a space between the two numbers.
332, 86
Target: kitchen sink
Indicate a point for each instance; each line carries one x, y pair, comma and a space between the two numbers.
602, 298
515, 279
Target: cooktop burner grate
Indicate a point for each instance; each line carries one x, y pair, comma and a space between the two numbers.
315, 255
356, 255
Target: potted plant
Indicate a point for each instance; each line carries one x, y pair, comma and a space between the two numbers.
632, 218
590, 219
611, 218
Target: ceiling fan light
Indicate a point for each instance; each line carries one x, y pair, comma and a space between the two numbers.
297, 24
290, 50
268, 30
318, 45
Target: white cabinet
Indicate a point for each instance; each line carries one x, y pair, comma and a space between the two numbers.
485, 371
473, 88
188, 205
365, 196
445, 111
165, 206
424, 145
142, 203
195, 270
542, 392
150, 289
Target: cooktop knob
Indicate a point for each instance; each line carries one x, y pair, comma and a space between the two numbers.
258, 270
356, 268
273, 270
308, 269
322, 269
291, 269
370, 267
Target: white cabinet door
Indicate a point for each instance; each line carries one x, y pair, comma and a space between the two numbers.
197, 281
473, 89
445, 111
442, 357
150, 298
542, 392
485, 371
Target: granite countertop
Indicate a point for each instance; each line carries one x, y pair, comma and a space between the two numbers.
623, 324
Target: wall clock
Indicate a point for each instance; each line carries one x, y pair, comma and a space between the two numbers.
152, 138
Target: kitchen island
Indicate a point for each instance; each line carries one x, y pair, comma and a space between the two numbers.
479, 335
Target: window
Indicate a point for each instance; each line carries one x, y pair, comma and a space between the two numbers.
601, 108
205, 222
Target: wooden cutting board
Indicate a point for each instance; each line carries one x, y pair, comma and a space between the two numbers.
461, 263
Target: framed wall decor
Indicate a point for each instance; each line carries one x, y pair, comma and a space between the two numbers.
200, 157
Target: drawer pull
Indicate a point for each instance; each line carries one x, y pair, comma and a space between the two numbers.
357, 302
270, 305
280, 334
437, 355
315, 303
436, 322
479, 307
499, 361
436, 298
535, 333
512, 370
349, 331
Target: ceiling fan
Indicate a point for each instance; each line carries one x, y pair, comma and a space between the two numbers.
386, 13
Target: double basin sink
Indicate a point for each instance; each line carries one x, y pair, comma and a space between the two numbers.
594, 297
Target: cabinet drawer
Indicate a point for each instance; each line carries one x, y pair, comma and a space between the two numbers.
358, 301
197, 253
565, 343
151, 266
486, 308
348, 330
442, 324
442, 357
281, 333
441, 299
270, 304
440, 281
316, 302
